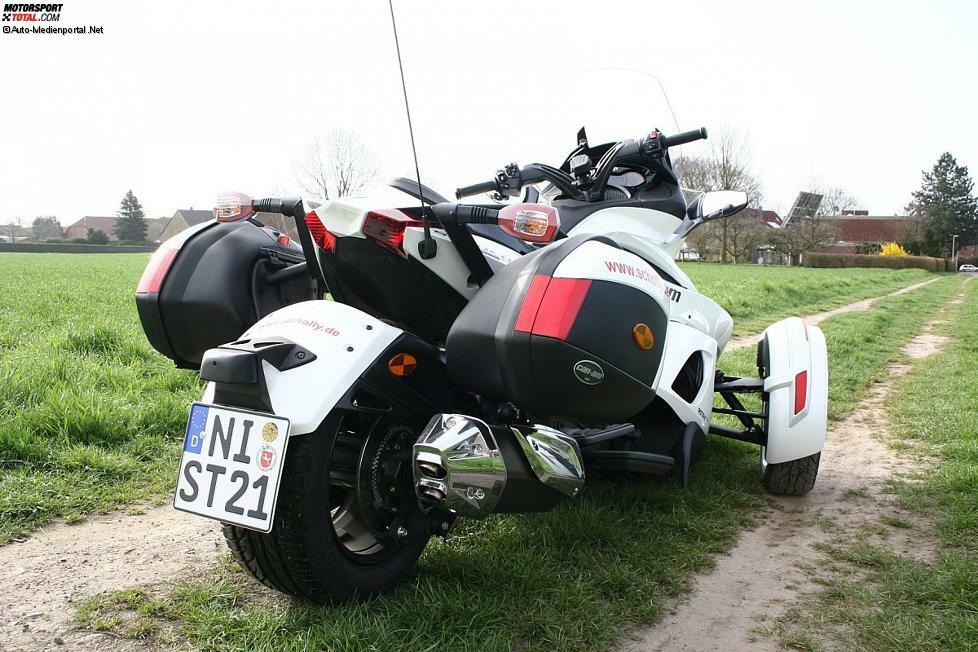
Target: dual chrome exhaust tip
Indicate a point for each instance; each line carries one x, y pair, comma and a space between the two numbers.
463, 464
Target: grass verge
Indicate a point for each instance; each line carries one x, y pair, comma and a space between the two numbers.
573, 579
90, 415
877, 598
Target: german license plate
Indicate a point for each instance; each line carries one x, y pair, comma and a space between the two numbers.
231, 465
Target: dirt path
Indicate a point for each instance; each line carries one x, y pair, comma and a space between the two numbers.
61, 564
764, 573
751, 340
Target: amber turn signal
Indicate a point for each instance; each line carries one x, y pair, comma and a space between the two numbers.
642, 334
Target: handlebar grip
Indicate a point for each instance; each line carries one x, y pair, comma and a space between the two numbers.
465, 214
477, 189
684, 137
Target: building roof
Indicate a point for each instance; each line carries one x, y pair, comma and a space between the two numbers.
872, 228
96, 222
193, 217
105, 224
765, 216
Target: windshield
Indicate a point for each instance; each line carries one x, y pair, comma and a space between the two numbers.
528, 119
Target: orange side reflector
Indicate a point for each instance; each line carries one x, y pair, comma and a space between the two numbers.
642, 334
402, 364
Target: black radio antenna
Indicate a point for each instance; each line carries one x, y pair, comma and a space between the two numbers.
427, 247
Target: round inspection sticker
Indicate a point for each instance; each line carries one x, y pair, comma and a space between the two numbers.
270, 432
588, 372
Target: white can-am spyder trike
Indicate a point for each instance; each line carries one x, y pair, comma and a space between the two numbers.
474, 359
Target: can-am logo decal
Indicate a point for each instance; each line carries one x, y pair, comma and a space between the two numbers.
588, 372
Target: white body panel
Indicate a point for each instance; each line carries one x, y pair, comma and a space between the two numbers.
346, 342
601, 262
793, 348
689, 306
684, 341
645, 223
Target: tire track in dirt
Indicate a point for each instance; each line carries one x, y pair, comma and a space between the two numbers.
62, 564
764, 573
751, 340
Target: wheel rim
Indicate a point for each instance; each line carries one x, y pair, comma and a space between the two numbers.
369, 497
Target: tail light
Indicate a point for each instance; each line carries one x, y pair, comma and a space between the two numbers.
155, 272
801, 391
386, 227
233, 207
530, 222
320, 235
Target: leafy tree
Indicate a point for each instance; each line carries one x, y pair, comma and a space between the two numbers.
97, 237
45, 227
946, 206
130, 227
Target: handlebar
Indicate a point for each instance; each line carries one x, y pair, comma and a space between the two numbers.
684, 137
477, 189
510, 180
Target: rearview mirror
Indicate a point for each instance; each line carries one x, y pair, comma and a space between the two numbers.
723, 203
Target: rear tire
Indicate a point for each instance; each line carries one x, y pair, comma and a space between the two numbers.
794, 478
304, 555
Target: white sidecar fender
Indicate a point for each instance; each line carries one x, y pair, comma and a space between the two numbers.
346, 341
797, 385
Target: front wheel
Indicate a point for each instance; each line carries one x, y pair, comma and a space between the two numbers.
347, 524
794, 478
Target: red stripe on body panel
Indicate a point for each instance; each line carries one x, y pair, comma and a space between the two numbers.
531, 303
561, 303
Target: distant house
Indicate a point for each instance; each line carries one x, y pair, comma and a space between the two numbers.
863, 233
154, 226
183, 219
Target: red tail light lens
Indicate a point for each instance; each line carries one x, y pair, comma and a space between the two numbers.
530, 222
801, 391
233, 206
387, 226
155, 272
320, 235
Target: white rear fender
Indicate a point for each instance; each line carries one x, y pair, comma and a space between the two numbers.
345, 341
797, 385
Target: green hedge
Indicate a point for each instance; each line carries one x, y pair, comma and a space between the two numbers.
865, 260
73, 248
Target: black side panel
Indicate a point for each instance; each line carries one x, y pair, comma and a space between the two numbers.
555, 387
417, 396
217, 288
394, 288
604, 328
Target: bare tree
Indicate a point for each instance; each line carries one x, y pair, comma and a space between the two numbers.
726, 167
335, 162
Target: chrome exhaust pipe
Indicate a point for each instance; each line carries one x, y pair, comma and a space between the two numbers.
463, 464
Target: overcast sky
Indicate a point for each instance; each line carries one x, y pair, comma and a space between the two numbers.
178, 100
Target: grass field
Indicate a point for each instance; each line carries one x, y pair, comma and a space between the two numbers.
755, 296
876, 598
90, 419
89, 413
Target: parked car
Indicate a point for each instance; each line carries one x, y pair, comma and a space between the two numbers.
968, 268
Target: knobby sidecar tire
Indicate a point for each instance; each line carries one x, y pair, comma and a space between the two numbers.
794, 478
302, 556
